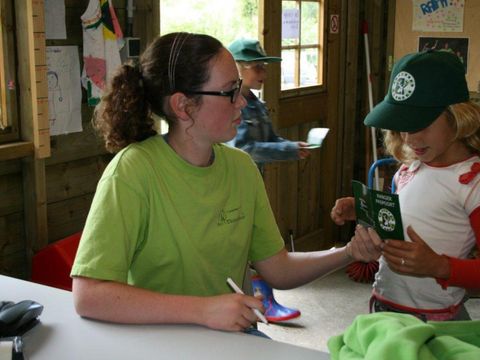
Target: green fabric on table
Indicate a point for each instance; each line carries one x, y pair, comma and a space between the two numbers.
395, 336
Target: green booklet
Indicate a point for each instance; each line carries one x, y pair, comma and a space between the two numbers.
379, 210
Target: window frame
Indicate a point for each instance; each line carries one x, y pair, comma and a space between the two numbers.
9, 122
321, 53
3, 98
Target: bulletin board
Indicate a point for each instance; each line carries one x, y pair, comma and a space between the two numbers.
466, 42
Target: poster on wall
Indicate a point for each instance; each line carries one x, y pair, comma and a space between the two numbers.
438, 15
457, 46
64, 90
290, 24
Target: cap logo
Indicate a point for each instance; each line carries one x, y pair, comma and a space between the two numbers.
403, 86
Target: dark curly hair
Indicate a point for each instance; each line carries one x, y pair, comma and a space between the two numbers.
176, 62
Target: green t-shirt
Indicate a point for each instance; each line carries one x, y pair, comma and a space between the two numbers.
159, 223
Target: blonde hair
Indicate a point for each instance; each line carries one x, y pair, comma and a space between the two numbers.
463, 117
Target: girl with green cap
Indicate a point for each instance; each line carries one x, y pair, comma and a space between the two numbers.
433, 129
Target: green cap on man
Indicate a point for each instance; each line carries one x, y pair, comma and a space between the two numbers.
250, 50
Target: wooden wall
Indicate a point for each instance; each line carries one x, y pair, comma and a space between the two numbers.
12, 238
301, 192
295, 194
71, 172
406, 40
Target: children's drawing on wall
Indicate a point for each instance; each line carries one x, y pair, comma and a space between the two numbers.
438, 15
102, 41
64, 90
457, 46
54, 96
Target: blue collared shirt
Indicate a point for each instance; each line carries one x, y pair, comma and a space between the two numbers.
255, 135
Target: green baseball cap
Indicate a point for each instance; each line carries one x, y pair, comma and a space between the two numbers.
250, 50
421, 87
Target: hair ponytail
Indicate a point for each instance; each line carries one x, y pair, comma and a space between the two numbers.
123, 115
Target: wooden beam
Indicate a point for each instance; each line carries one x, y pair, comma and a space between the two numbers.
34, 120
330, 158
3, 88
35, 207
271, 13
146, 23
347, 95
16, 150
32, 76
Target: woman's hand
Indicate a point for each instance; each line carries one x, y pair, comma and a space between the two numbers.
343, 210
365, 245
231, 312
415, 258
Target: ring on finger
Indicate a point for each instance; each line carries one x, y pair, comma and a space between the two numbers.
402, 261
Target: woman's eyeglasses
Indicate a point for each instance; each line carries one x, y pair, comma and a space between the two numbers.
232, 94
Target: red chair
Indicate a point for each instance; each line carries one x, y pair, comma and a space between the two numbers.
51, 266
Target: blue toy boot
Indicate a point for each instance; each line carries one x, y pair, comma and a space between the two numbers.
274, 312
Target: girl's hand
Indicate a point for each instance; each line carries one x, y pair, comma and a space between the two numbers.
231, 312
365, 245
415, 258
343, 210
303, 153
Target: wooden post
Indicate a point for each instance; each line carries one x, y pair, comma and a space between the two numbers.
3, 95
32, 75
331, 159
34, 118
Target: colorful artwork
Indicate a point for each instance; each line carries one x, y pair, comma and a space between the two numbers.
438, 15
102, 41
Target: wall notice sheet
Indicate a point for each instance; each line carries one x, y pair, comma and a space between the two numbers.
64, 90
379, 210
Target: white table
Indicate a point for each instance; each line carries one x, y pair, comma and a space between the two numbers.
62, 334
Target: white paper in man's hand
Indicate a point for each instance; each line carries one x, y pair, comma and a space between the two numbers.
315, 137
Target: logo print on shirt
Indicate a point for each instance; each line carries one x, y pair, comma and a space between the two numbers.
231, 216
404, 178
403, 86
406, 174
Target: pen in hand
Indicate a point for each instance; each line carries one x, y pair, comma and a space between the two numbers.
235, 288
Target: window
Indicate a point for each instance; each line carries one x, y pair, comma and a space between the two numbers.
239, 18
302, 43
8, 88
